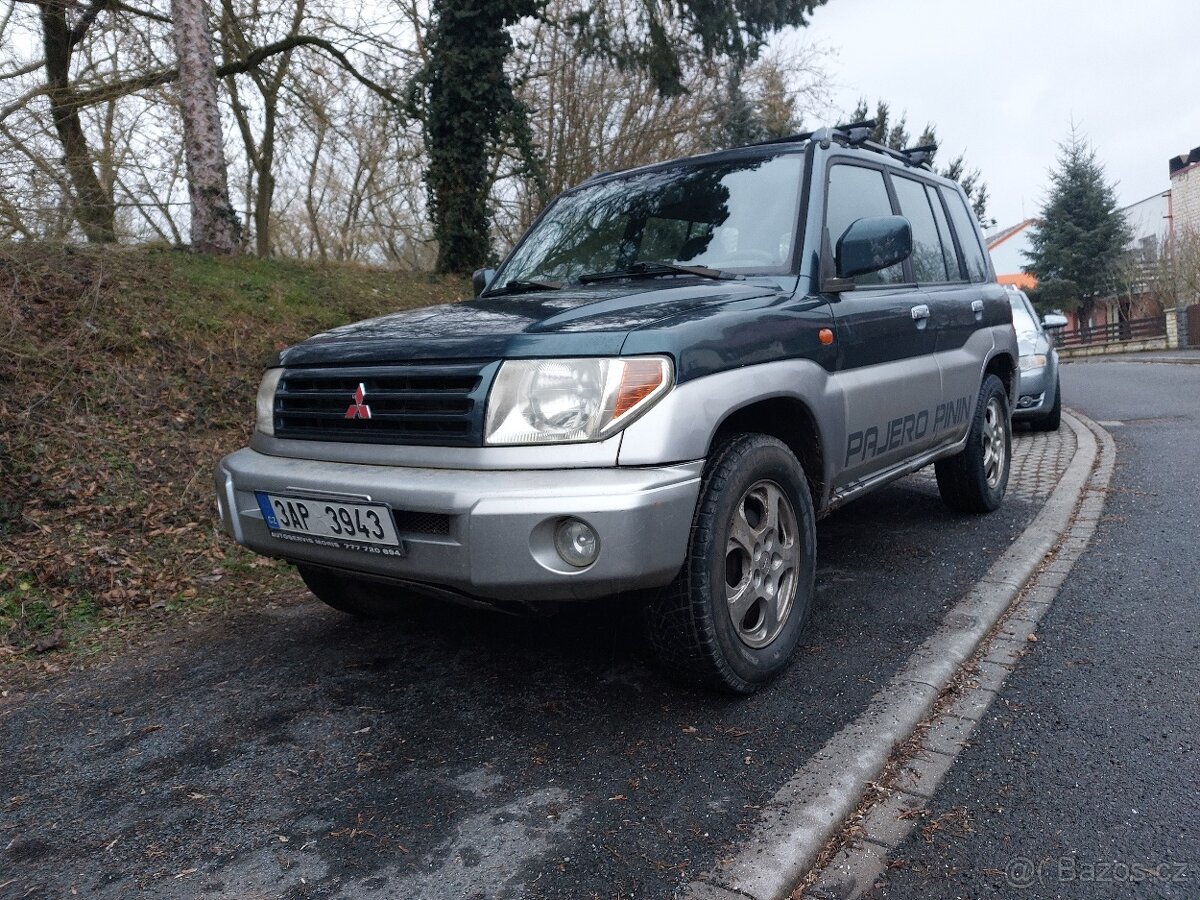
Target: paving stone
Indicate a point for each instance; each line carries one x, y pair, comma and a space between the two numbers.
1006, 653
971, 705
922, 774
889, 822
851, 873
948, 734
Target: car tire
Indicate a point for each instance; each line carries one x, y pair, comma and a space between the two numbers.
754, 525
356, 596
975, 479
1052, 419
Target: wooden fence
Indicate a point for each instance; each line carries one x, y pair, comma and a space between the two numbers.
1112, 333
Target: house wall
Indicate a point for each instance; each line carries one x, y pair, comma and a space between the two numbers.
1149, 224
1185, 199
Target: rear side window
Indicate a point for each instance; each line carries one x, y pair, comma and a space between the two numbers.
947, 239
858, 193
928, 260
968, 238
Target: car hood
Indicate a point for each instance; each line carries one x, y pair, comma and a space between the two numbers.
587, 321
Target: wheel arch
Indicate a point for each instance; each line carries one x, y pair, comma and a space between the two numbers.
1004, 367
790, 420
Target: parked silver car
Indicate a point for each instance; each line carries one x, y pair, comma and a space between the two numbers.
1039, 400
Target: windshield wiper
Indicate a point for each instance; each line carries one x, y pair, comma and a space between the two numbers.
517, 286
652, 268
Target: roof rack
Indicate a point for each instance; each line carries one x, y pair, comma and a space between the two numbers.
922, 155
857, 134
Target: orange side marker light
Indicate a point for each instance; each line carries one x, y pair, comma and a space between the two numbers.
826, 336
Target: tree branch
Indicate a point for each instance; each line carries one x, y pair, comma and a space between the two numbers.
24, 70
85, 22
117, 89
144, 13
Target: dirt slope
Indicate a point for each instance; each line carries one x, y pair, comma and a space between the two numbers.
124, 375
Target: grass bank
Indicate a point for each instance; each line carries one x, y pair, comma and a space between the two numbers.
125, 374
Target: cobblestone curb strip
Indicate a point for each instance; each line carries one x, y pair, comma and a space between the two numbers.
815, 803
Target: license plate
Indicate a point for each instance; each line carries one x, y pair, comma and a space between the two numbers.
359, 523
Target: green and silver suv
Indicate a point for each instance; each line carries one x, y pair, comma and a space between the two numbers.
674, 374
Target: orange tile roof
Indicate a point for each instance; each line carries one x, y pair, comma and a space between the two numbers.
1023, 280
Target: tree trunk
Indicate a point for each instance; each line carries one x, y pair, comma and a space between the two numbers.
94, 207
266, 185
215, 226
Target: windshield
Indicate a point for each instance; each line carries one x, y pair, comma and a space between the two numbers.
737, 216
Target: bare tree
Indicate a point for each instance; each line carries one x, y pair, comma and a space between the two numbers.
95, 208
214, 223
1175, 274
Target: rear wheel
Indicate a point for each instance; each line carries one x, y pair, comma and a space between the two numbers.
975, 479
733, 616
356, 596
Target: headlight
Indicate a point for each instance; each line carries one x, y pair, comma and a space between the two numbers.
264, 406
537, 401
1032, 362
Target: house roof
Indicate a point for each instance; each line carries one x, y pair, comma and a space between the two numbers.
1001, 236
1022, 280
1184, 162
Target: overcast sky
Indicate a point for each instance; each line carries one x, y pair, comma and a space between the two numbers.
1003, 80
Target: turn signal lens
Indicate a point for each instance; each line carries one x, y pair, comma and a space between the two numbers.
640, 379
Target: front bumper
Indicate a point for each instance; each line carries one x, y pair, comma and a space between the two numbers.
498, 526
1036, 392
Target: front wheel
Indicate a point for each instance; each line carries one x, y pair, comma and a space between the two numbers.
732, 618
975, 479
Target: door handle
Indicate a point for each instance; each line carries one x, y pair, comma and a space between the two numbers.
977, 306
920, 312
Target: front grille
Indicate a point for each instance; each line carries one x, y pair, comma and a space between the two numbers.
434, 404
420, 522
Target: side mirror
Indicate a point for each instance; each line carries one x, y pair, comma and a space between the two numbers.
1054, 320
481, 278
872, 244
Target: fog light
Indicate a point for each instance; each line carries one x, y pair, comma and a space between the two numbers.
576, 542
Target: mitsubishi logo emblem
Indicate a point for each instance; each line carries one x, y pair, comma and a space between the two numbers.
358, 409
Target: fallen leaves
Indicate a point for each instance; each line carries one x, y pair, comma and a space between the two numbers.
53, 641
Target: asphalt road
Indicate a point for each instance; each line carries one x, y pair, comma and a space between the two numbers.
296, 753
1084, 778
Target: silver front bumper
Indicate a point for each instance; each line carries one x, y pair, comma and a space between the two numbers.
499, 538
1034, 395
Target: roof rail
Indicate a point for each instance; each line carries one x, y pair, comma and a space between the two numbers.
789, 139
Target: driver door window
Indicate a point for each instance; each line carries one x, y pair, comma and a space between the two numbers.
856, 193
